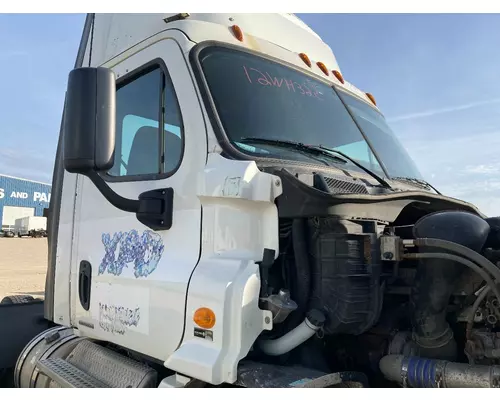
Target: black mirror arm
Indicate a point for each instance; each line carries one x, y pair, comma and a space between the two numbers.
154, 208
114, 198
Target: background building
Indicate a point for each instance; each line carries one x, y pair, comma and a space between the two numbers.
21, 198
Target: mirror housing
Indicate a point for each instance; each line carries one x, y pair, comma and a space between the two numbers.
89, 144
89, 120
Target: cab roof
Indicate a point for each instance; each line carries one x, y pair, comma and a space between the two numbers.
269, 33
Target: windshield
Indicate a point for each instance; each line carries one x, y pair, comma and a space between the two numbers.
259, 98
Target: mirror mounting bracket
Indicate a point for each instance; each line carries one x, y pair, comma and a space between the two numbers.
154, 208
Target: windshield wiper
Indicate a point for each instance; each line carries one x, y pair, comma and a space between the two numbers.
417, 181
319, 150
294, 145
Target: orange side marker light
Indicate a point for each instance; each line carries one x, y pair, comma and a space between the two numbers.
204, 318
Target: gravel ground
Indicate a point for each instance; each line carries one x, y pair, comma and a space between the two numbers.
23, 264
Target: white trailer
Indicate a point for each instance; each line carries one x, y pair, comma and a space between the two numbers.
30, 225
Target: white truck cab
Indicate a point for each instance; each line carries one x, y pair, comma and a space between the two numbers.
199, 154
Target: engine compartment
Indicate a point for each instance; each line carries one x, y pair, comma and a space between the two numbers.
406, 302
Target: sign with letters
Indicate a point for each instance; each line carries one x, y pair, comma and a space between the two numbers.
37, 197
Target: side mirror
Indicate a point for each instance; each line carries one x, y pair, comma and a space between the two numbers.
89, 144
89, 120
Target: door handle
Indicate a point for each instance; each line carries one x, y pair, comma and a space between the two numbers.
85, 284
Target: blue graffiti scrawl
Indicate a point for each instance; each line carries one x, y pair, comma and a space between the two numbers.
143, 251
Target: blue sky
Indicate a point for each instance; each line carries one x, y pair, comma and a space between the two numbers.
435, 77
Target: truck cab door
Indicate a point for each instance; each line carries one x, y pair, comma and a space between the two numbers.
129, 282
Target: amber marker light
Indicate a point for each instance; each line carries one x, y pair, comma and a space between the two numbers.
339, 76
238, 33
372, 99
306, 59
204, 318
323, 68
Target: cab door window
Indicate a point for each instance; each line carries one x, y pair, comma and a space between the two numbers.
149, 131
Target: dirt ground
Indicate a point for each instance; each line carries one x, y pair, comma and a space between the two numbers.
23, 264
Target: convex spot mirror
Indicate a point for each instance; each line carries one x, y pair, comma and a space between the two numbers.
89, 120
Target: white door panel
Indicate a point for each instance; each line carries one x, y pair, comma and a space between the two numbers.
140, 276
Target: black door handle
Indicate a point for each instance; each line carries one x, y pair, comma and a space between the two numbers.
84, 284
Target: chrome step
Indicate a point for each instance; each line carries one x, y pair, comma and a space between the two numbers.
67, 375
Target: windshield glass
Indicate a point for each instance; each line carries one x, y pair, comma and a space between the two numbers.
259, 98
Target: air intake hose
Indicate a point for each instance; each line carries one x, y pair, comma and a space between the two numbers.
436, 278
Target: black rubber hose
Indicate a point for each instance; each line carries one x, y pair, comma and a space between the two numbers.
473, 256
460, 260
434, 283
301, 282
463, 251
437, 277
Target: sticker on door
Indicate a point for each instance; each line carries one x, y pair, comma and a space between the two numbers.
117, 319
120, 309
127, 249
